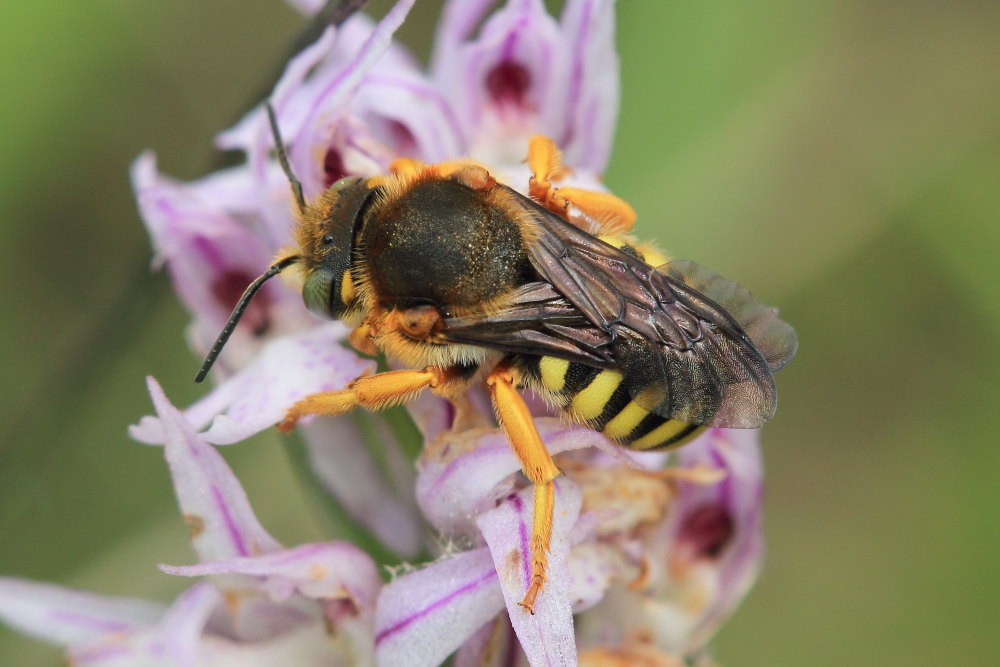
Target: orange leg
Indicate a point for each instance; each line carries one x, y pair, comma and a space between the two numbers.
538, 467
546, 166
374, 392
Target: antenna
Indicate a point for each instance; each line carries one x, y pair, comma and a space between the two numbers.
283, 159
241, 306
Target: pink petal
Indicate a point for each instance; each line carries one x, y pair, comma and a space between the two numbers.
341, 459
326, 571
67, 616
212, 256
591, 99
547, 635
210, 497
423, 616
453, 488
256, 398
407, 102
329, 103
522, 39
740, 497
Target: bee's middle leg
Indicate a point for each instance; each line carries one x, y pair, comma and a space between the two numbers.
538, 467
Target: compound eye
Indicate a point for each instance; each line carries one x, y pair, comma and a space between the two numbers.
317, 290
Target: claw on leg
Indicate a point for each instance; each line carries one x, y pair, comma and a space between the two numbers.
538, 467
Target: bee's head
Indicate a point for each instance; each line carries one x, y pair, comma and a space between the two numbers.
326, 238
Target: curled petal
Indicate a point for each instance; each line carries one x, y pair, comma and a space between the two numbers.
327, 571
547, 635
703, 557
67, 616
211, 499
423, 616
258, 397
181, 627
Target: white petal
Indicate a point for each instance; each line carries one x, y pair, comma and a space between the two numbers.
256, 398
67, 616
325, 571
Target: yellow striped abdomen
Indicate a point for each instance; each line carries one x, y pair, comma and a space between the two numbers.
598, 398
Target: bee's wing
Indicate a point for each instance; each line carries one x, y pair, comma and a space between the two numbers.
536, 319
682, 354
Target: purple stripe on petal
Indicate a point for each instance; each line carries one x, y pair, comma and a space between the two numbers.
222, 522
234, 533
89, 623
424, 616
450, 598
66, 616
522, 531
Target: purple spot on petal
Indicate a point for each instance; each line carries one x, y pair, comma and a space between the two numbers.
227, 289
333, 167
706, 532
508, 84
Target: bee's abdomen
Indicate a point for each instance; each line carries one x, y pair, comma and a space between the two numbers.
599, 398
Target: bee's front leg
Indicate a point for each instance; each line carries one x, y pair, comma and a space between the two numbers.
538, 467
374, 392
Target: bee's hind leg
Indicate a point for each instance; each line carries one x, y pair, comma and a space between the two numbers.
538, 467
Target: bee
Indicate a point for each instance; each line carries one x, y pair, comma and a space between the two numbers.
465, 280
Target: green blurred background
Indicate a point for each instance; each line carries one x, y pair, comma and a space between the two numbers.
842, 159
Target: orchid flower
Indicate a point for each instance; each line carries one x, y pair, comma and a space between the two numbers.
646, 561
